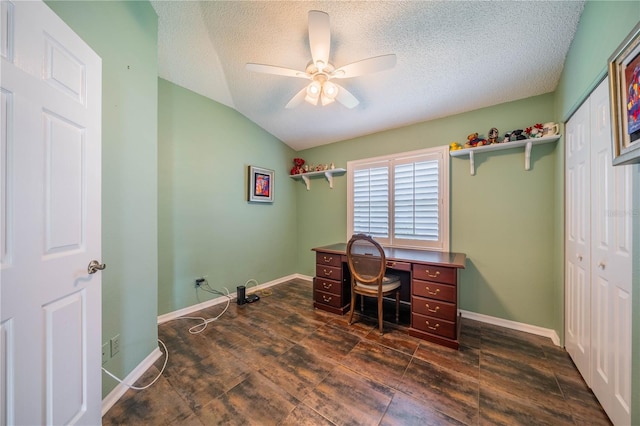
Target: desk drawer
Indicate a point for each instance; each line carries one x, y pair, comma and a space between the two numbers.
328, 259
328, 299
434, 325
440, 274
433, 308
434, 290
400, 266
329, 286
331, 272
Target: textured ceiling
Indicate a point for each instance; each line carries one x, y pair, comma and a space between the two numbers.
452, 57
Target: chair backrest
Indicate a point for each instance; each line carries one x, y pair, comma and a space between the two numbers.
366, 259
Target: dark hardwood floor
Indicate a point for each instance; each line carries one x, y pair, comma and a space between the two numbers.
280, 362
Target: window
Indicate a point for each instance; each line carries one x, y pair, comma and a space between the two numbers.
401, 200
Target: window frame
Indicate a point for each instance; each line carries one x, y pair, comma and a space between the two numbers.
441, 154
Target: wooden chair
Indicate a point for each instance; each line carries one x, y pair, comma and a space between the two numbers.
367, 264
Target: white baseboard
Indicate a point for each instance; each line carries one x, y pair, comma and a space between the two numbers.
222, 299
514, 325
137, 372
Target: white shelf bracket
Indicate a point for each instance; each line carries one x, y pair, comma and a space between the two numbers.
472, 165
329, 177
306, 181
527, 156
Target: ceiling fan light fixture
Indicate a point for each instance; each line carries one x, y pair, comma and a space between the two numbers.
314, 89
329, 90
313, 92
319, 70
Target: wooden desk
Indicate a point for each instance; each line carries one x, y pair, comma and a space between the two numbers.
433, 291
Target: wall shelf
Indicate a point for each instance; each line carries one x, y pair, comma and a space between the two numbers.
527, 143
326, 173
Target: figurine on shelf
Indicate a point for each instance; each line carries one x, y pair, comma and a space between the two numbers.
493, 136
454, 146
515, 135
298, 166
473, 141
535, 131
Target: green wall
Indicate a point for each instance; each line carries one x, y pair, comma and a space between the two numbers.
124, 35
206, 226
499, 217
603, 26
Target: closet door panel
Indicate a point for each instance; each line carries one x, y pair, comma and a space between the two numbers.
610, 267
577, 248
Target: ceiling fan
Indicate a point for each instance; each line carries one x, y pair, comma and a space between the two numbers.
321, 72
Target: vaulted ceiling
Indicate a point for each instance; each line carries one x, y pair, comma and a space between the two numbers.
452, 57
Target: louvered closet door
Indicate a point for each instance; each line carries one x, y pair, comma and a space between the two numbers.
577, 241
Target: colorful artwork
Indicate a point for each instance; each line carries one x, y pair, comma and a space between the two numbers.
624, 95
632, 77
262, 185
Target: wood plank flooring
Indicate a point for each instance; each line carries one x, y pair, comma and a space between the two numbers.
280, 362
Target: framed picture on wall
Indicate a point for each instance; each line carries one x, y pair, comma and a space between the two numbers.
624, 91
260, 185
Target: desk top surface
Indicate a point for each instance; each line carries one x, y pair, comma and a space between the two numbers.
445, 258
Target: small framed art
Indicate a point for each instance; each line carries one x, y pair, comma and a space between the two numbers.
624, 95
260, 185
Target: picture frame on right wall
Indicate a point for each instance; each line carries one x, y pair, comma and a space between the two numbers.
624, 95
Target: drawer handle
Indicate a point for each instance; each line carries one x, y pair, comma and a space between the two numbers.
391, 264
437, 274
327, 286
329, 272
327, 259
430, 327
326, 299
432, 310
433, 293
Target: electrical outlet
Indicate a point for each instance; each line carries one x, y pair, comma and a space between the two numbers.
105, 353
115, 345
200, 280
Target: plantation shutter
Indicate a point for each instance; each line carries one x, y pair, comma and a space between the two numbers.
402, 200
371, 201
416, 201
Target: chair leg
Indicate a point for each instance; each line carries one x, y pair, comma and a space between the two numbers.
380, 319
397, 306
353, 306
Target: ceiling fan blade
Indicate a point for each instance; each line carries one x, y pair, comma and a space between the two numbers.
366, 66
272, 69
297, 99
346, 98
319, 37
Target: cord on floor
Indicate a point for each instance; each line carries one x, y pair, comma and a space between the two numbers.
262, 293
130, 386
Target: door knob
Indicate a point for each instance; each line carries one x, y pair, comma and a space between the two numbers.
95, 266
602, 265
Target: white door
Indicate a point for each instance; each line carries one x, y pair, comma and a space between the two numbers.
50, 323
610, 268
577, 241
